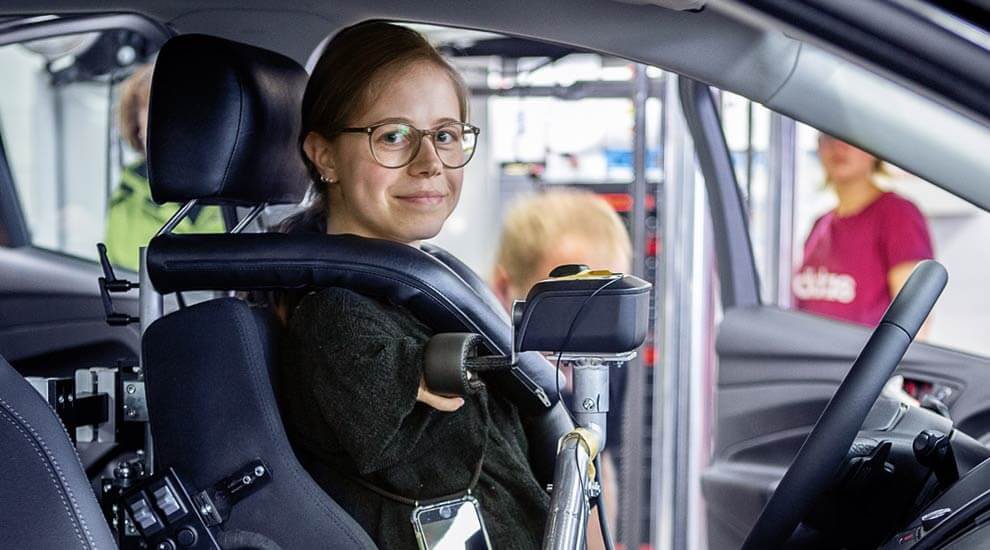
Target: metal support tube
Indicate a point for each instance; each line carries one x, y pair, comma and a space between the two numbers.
150, 301
249, 218
176, 218
780, 238
573, 484
568, 517
152, 306
590, 400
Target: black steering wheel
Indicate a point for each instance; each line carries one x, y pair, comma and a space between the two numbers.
823, 451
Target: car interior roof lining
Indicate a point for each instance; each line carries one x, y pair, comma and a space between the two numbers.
799, 80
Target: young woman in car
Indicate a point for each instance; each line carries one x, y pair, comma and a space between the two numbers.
859, 255
385, 137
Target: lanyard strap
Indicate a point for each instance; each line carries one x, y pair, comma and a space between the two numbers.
474, 478
416, 503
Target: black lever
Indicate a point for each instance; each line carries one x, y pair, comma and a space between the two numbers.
567, 270
935, 405
933, 449
110, 283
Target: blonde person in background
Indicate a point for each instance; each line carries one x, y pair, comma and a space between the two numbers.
134, 218
555, 228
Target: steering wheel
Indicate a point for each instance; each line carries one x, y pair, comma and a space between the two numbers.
823, 451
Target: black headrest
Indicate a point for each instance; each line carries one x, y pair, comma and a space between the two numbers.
223, 124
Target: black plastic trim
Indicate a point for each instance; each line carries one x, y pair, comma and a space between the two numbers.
12, 220
902, 43
14, 231
37, 28
738, 278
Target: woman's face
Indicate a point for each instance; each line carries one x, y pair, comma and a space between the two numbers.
843, 162
405, 204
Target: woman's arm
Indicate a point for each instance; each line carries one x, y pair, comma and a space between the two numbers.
366, 362
896, 277
904, 241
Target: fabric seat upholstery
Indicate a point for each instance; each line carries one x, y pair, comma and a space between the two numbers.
210, 389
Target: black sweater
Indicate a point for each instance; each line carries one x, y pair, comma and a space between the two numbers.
348, 380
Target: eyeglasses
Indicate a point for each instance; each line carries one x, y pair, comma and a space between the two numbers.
394, 144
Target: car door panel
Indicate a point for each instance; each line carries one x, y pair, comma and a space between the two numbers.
52, 319
777, 371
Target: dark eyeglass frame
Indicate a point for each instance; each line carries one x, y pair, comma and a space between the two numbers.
418, 136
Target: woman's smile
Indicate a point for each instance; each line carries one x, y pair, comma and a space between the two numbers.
428, 198
408, 203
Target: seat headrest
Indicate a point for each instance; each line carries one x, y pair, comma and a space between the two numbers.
223, 124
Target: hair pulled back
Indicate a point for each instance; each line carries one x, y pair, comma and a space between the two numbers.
349, 74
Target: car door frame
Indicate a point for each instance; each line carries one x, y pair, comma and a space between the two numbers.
36, 277
740, 289
15, 31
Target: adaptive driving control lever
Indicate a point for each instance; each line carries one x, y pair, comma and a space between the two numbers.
933, 449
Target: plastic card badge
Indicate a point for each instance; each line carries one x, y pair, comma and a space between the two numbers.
451, 525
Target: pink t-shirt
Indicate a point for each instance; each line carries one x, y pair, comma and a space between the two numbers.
847, 259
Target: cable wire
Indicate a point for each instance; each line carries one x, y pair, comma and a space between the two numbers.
600, 505
606, 534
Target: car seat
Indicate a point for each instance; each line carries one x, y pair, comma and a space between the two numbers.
223, 129
46, 500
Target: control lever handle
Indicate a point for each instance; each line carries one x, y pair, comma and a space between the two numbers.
110, 283
935, 405
933, 449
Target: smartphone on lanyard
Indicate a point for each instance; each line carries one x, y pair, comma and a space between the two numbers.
451, 525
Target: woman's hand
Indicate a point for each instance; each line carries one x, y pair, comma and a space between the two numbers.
438, 402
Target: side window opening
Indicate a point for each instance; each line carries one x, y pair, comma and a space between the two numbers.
71, 115
783, 230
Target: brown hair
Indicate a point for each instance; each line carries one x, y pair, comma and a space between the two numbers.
880, 167
536, 223
346, 78
133, 103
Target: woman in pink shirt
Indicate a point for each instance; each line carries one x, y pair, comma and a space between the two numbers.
858, 256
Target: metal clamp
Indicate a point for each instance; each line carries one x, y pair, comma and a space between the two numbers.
135, 402
214, 504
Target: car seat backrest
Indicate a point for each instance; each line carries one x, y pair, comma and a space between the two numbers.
46, 500
210, 392
468, 276
223, 124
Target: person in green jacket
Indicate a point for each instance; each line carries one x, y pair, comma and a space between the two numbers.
133, 217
